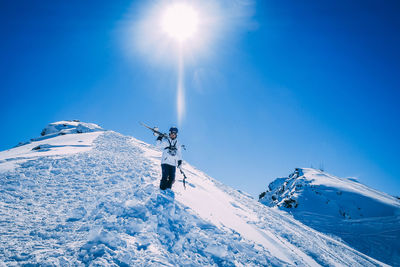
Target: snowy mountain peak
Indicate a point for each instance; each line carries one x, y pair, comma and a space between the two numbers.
93, 199
68, 127
344, 207
62, 128
317, 191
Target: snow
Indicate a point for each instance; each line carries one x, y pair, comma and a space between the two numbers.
365, 218
350, 185
99, 204
56, 146
68, 127
58, 138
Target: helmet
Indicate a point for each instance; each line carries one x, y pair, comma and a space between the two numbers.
173, 129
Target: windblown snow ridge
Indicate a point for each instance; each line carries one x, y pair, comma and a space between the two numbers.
365, 218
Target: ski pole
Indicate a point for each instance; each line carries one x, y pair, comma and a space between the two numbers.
184, 178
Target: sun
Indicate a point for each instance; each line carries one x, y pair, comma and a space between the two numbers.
180, 21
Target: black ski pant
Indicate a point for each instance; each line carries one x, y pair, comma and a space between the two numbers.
168, 176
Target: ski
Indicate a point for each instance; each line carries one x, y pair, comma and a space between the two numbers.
155, 130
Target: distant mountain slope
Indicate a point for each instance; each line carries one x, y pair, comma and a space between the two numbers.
92, 198
365, 218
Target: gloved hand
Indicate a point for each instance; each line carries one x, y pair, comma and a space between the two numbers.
160, 137
179, 163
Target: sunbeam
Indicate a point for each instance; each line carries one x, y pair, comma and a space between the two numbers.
180, 95
180, 22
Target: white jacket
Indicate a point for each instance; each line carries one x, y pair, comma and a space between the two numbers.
170, 156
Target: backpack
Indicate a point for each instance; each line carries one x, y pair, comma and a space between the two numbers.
172, 150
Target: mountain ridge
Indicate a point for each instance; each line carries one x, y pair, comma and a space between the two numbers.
92, 198
365, 218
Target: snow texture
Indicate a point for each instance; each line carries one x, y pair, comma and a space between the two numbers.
68, 127
63, 128
366, 219
100, 205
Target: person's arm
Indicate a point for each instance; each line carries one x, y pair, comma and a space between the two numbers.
160, 141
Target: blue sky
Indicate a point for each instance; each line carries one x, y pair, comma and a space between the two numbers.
282, 84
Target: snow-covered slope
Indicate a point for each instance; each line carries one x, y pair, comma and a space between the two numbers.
102, 206
63, 140
69, 127
365, 218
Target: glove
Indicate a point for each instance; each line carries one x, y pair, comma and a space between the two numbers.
179, 163
160, 137
156, 129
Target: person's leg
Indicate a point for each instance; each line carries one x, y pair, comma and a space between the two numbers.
164, 178
171, 176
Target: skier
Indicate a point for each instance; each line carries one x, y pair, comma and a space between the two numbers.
171, 157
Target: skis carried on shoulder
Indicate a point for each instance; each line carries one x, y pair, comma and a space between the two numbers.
155, 130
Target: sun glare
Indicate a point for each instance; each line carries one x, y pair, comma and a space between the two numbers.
180, 21
176, 33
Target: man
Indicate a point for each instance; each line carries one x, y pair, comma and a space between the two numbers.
171, 157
